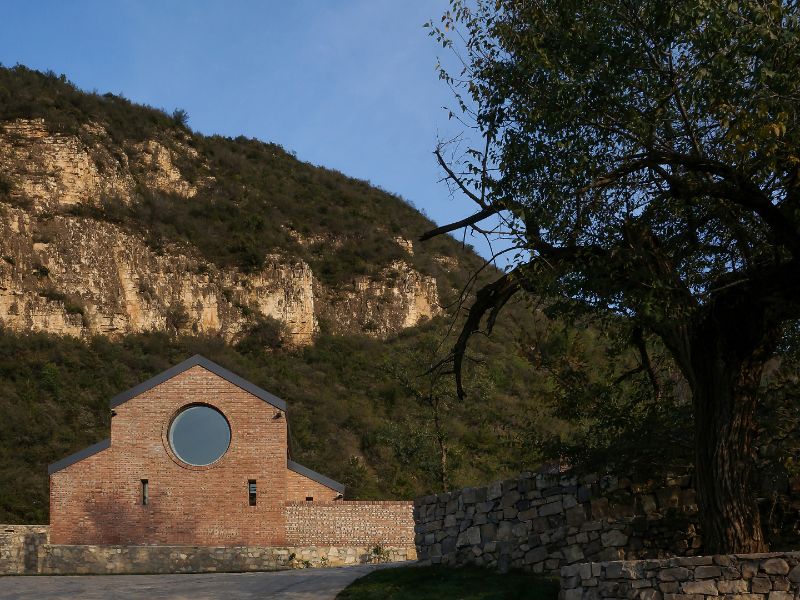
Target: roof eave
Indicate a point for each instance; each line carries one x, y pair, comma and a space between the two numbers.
314, 476
201, 361
78, 456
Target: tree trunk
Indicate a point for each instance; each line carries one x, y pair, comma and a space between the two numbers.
441, 444
725, 395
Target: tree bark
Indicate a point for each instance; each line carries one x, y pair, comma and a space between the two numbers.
725, 387
441, 443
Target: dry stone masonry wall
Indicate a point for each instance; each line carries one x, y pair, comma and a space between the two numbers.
544, 522
772, 576
20, 546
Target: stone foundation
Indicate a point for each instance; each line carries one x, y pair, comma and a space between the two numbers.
769, 576
20, 546
25, 550
99, 560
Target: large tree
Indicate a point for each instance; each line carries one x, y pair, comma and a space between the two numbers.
645, 156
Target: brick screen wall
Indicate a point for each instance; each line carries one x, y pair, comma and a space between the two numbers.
98, 500
350, 523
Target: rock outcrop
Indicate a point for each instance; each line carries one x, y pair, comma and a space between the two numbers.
75, 275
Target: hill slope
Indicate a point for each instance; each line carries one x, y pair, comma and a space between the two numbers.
129, 242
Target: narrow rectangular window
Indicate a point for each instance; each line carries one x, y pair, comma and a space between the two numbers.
309, 498
145, 493
251, 491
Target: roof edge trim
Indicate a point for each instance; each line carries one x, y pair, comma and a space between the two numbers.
201, 361
314, 476
78, 456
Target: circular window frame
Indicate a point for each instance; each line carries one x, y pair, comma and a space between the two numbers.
174, 456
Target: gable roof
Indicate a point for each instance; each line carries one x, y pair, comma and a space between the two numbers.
198, 361
201, 361
314, 476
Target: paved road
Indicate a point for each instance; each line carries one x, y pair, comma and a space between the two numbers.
299, 584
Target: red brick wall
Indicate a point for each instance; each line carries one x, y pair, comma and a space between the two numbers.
350, 523
299, 487
98, 500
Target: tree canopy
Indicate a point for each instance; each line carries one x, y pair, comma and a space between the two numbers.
645, 158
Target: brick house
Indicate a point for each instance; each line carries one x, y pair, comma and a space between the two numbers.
197, 456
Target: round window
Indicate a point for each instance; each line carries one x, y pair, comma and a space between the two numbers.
199, 435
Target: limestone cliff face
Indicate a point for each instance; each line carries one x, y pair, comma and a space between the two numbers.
79, 276
400, 297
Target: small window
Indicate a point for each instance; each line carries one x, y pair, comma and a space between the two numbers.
251, 491
145, 493
309, 498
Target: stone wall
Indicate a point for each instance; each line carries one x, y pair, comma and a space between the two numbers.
543, 522
98, 560
20, 546
25, 550
350, 523
774, 576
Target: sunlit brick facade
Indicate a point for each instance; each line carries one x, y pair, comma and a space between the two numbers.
134, 489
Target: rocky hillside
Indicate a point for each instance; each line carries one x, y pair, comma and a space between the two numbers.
128, 242
68, 267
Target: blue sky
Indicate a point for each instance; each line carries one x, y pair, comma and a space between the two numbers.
348, 84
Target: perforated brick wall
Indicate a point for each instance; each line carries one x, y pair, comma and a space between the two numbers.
354, 523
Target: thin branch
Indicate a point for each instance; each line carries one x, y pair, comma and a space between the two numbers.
471, 220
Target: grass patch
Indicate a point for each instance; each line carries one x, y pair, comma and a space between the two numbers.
437, 582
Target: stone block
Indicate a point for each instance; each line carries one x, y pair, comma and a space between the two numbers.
592, 526
575, 516
504, 531
760, 585
780, 584
608, 589
510, 499
573, 553
794, 574
611, 554
692, 561
775, 566
520, 530
674, 574
574, 594
781, 596
569, 501
707, 572
599, 508
724, 560
488, 532
494, 491
749, 569
551, 508
469, 537
732, 586
706, 587
613, 538
649, 594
